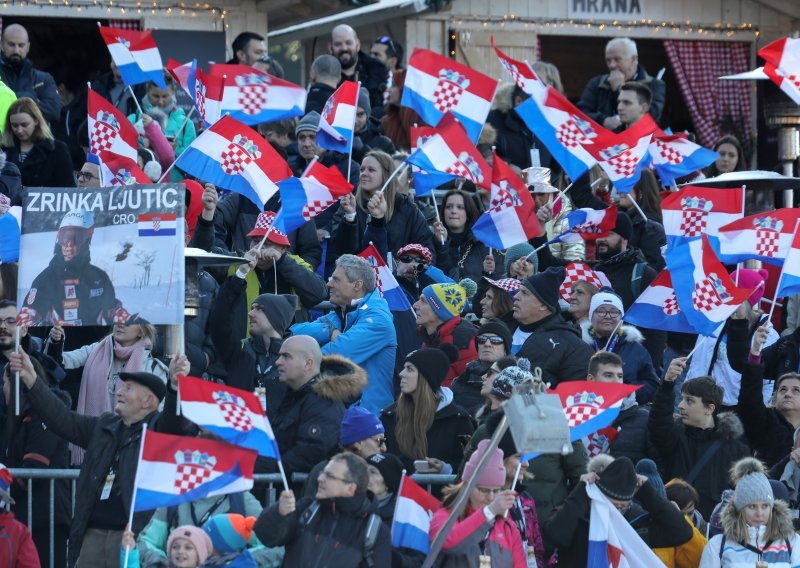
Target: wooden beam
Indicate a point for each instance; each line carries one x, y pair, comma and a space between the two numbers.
788, 7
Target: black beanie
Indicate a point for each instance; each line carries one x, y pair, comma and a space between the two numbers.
618, 480
433, 364
545, 285
496, 327
624, 226
391, 469
279, 310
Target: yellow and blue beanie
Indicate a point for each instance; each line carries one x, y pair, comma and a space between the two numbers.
446, 300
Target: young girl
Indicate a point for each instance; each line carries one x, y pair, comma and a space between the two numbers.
757, 529
187, 547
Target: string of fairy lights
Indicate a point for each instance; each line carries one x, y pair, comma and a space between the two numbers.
122, 9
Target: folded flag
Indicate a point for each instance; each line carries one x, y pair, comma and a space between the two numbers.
337, 121
450, 151
511, 216
520, 71
783, 65
177, 469
233, 414
620, 155
413, 512
425, 182
612, 539
674, 156
205, 90
10, 223
789, 281
304, 198
387, 284
587, 225
135, 54
706, 294
764, 236
253, 97
694, 211
235, 157
657, 307
109, 129
436, 85
119, 170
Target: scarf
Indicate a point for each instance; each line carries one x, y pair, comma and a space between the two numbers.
93, 395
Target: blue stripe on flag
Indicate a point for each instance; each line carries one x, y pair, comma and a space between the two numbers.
197, 164
255, 439
409, 536
432, 115
154, 233
147, 500
132, 74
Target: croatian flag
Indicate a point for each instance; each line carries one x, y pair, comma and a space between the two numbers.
694, 211
612, 540
450, 151
235, 157
253, 97
783, 65
205, 90
413, 512
387, 284
436, 85
425, 182
118, 170
675, 156
764, 236
337, 121
511, 216
706, 294
657, 307
304, 198
587, 225
789, 282
176, 469
232, 414
620, 155
109, 129
157, 224
10, 223
561, 127
135, 54
520, 72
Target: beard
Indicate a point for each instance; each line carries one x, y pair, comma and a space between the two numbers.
346, 59
607, 252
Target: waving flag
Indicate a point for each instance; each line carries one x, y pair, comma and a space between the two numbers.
304, 198
521, 73
693, 211
706, 294
10, 223
205, 90
612, 540
657, 307
783, 65
587, 225
561, 127
386, 282
511, 216
176, 469
450, 151
413, 512
234, 415
764, 236
436, 85
425, 182
232, 156
135, 54
109, 129
577, 271
674, 156
119, 170
789, 281
620, 155
253, 97
337, 120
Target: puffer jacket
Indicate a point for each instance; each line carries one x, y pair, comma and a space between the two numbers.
564, 250
554, 476
783, 553
467, 541
637, 367
556, 347
48, 164
307, 422
27, 81
461, 334
16, 545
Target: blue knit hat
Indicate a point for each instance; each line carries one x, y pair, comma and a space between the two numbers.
229, 532
446, 300
359, 424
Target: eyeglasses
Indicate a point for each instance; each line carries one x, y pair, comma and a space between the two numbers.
381, 441
493, 339
610, 314
489, 490
8, 322
86, 176
330, 477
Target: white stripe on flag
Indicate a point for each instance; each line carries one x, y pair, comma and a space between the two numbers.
468, 105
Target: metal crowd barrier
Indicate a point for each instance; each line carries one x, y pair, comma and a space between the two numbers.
273, 481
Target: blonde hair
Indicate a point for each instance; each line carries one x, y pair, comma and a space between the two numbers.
778, 527
387, 168
27, 106
415, 413
549, 74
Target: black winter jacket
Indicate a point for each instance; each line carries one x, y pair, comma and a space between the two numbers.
632, 440
326, 532
461, 256
467, 387
599, 102
48, 165
782, 357
318, 95
10, 180
103, 86
372, 139
26, 81
515, 140
373, 75
681, 447
556, 346
648, 236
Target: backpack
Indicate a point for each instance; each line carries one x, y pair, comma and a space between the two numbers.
370, 535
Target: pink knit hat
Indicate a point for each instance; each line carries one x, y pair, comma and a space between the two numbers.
750, 279
196, 536
494, 474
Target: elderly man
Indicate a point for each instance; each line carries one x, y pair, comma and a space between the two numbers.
105, 484
17, 71
599, 99
358, 66
360, 328
325, 75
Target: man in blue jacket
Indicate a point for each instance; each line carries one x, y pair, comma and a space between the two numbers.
359, 328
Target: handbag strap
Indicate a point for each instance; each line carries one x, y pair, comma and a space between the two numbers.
704, 459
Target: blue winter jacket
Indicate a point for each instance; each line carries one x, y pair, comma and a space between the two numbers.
367, 338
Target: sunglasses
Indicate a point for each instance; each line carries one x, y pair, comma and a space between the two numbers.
410, 259
386, 40
482, 339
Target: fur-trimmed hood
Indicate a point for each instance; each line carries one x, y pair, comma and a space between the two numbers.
503, 98
629, 332
340, 379
780, 511
729, 425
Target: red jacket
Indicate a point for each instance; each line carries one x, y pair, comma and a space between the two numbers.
16, 545
460, 333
